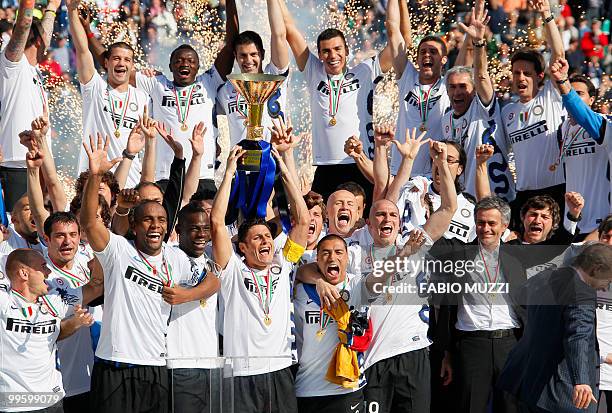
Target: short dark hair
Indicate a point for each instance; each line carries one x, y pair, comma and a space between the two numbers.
330, 34
108, 178
118, 45
330, 237
313, 199
204, 195
22, 256
462, 162
577, 78
105, 212
353, 187
595, 256
529, 55
184, 47
61, 217
437, 39
604, 226
190, 208
138, 209
244, 228
249, 37
144, 184
543, 202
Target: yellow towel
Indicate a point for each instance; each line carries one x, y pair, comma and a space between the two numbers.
343, 368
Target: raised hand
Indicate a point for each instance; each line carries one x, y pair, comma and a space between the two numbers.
169, 138
136, 140
478, 25
232, 160
97, 152
483, 153
414, 243
438, 152
197, 139
559, 69
40, 126
73, 5
282, 137
148, 125
28, 139
542, 6
410, 148
128, 198
383, 135
34, 158
575, 203
353, 147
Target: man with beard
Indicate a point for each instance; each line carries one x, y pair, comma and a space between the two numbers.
531, 124
181, 103
256, 296
249, 54
22, 91
192, 339
31, 324
128, 377
110, 107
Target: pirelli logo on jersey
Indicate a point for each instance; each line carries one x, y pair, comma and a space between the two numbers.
27, 327
350, 84
128, 122
144, 280
414, 101
459, 229
585, 147
529, 132
250, 285
170, 102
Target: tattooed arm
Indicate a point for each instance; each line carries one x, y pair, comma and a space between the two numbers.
21, 31
49, 20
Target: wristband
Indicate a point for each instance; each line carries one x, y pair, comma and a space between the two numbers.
128, 155
122, 215
560, 82
480, 43
90, 35
293, 251
549, 18
571, 218
51, 11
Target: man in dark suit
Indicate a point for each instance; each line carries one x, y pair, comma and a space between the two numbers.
553, 368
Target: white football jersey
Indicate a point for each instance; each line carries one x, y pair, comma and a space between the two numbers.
416, 102
532, 129
354, 115
197, 104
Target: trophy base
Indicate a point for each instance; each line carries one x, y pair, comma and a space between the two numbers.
251, 160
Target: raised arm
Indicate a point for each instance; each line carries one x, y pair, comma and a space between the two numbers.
34, 161
299, 210
395, 39
225, 59
84, 59
354, 148
96, 47
285, 141
278, 36
438, 222
405, 26
409, 151
553, 37
483, 187
192, 177
21, 31
97, 234
476, 34
48, 20
383, 135
296, 40
221, 241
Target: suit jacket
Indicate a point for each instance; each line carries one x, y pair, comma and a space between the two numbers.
442, 324
559, 346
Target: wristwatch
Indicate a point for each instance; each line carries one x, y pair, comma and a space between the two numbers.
480, 43
571, 218
128, 155
549, 18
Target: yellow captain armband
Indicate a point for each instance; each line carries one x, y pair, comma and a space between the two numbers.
293, 251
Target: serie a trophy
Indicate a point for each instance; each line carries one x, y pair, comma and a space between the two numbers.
256, 168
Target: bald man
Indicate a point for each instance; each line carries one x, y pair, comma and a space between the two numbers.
342, 213
31, 324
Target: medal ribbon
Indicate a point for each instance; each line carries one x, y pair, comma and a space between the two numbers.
74, 279
334, 94
265, 306
108, 97
424, 97
393, 251
50, 306
565, 146
166, 281
183, 115
26, 311
494, 280
324, 318
41, 89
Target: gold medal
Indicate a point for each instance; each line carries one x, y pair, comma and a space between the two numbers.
320, 334
117, 133
388, 298
553, 167
202, 302
246, 122
184, 127
422, 128
267, 320
332, 121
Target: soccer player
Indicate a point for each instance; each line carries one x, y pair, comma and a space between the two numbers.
31, 324
111, 107
256, 296
23, 233
341, 103
22, 92
127, 376
475, 118
531, 124
249, 54
181, 103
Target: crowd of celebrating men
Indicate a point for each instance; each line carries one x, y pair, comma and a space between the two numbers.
137, 294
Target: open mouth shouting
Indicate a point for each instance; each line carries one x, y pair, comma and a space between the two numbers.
332, 272
154, 237
535, 230
385, 230
264, 253
427, 63
120, 70
343, 220
312, 228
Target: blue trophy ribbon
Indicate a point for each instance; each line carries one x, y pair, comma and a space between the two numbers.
3, 217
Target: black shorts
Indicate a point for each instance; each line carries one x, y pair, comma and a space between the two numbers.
14, 185
342, 403
261, 393
118, 387
195, 390
75, 404
56, 408
399, 384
